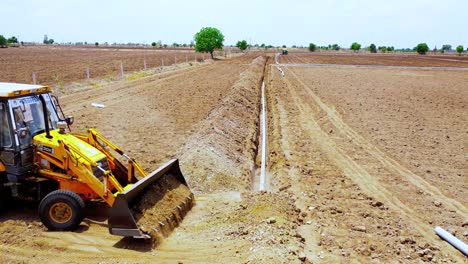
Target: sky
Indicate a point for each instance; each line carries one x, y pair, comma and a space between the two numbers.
398, 23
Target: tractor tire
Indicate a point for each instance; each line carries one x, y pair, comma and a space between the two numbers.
61, 210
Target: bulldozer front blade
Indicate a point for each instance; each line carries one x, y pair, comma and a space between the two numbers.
153, 206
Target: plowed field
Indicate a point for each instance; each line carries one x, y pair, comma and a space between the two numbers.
361, 163
378, 154
397, 59
60, 65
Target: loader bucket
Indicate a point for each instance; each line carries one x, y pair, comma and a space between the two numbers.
153, 206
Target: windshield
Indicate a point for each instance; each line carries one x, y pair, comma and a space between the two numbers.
27, 112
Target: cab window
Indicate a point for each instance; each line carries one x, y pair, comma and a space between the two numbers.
5, 140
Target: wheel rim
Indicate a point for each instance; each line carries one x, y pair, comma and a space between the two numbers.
60, 212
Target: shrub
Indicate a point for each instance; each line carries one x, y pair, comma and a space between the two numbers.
459, 49
355, 46
373, 48
312, 47
3, 41
12, 40
242, 45
446, 47
422, 48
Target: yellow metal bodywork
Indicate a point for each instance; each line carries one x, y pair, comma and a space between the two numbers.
2, 167
70, 159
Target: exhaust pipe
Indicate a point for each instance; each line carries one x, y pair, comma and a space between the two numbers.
46, 118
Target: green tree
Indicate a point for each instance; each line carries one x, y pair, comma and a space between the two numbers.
446, 47
153, 44
96, 44
242, 45
335, 47
3, 42
355, 46
312, 47
383, 49
373, 48
459, 49
12, 40
422, 48
208, 39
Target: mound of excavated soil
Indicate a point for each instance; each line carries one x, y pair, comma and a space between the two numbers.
162, 207
220, 156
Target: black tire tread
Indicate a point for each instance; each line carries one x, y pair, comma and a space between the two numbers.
69, 196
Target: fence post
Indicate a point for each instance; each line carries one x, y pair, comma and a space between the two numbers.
87, 73
34, 77
121, 70
195, 57
186, 59
162, 62
144, 64
175, 59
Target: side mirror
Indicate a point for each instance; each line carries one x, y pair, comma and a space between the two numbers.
69, 120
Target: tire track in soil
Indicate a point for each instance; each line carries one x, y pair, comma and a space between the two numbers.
108, 93
384, 159
286, 178
355, 171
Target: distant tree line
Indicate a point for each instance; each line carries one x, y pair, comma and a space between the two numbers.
421, 48
5, 42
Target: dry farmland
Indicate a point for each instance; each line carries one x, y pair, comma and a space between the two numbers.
59, 65
361, 163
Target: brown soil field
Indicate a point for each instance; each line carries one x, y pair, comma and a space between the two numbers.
361, 164
58, 66
397, 59
379, 157
154, 117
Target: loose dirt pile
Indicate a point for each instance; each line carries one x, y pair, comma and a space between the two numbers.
269, 222
162, 207
220, 156
237, 227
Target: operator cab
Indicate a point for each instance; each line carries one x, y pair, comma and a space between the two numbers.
22, 118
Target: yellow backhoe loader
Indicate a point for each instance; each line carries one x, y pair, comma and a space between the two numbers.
42, 160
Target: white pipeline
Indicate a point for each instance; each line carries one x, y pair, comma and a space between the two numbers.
457, 243
263, 132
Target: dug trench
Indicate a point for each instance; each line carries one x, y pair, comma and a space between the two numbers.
239, 224
229, 221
